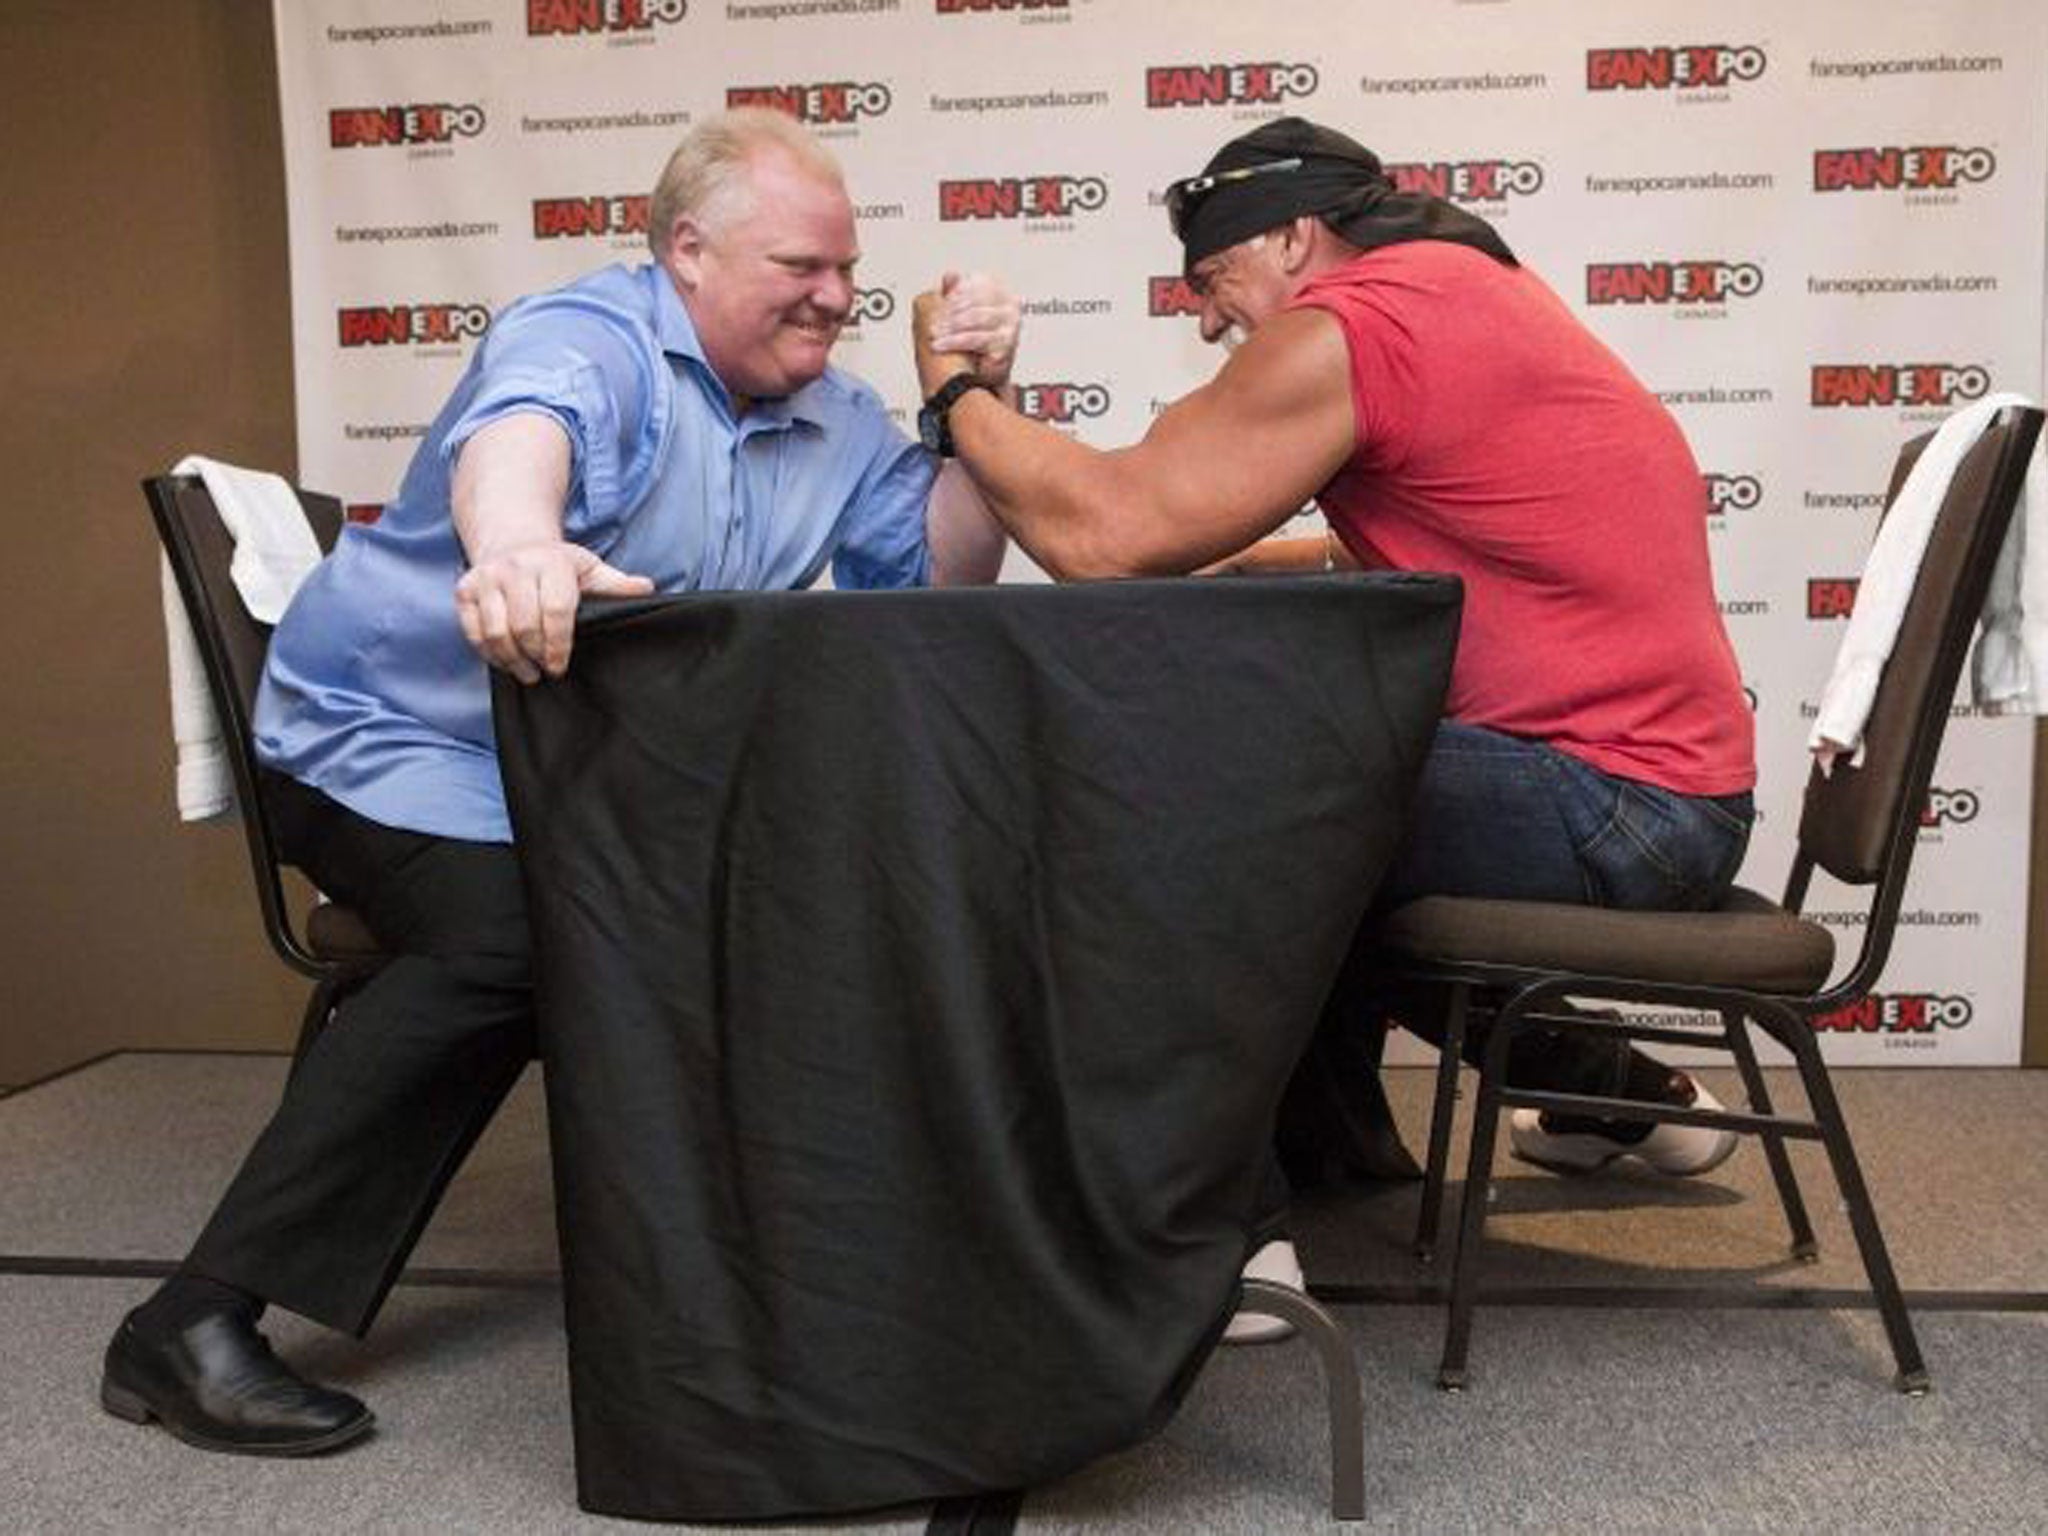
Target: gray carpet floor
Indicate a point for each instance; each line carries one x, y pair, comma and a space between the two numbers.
1592, 1407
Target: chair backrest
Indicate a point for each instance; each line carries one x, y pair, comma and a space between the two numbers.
231, 648
1861, 822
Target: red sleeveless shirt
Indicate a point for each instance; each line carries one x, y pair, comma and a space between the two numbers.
1499, 439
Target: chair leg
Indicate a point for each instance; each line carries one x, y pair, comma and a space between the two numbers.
1340, 1378
1450, 1053
1912, 1378
1450, 1374
1735, 1025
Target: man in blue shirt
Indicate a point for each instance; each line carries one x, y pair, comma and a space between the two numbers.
669, 428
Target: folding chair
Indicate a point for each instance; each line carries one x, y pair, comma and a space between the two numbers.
1752, 960
331, 945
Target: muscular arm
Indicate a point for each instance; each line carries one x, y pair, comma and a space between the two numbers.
1219, 468
517, 602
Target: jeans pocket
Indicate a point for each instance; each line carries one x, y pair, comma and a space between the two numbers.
1657, 850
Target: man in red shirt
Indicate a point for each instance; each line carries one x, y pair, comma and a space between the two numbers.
1447, 412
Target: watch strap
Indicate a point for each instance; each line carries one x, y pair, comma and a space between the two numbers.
938, 408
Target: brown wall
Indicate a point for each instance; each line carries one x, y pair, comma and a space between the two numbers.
144, 304
2034, 1048
144, 307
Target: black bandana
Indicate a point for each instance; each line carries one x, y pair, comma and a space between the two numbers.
1333, 177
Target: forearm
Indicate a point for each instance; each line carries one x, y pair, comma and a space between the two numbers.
510, 486
1074, 509
967, 542
517, 601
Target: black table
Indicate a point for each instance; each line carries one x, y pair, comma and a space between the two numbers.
918, 975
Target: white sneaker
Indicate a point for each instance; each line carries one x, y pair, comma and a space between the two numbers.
1568, 1145
1276, 1261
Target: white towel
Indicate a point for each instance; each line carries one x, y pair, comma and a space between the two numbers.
205, 787
2014, 650
274, 549
2009, 670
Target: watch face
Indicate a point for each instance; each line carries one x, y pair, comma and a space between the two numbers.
931, 430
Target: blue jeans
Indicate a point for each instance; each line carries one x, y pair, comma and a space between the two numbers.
1498, 816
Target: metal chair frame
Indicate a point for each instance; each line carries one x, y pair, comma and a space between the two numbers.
1342, 1386
231, 648
1519, 997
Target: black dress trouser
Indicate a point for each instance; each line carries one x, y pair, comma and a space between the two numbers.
395, 1091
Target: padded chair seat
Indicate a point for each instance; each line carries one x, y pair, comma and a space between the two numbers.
1749, 942
335, 932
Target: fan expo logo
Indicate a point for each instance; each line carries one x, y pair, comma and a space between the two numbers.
1916, 168
1732, 493
1469, 181
1170, 296
829, 104
420, 123
1941, 385
600, 18
412, 325
1897, 1013
1692, 67
1949, 808
1021, 197
875, 304
1061, 404
556, 218
1228, 85
1830, 597
962, 7
1671, 282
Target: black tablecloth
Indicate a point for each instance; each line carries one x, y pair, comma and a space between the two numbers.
918, 975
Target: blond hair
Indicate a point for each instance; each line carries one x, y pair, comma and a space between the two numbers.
706, 180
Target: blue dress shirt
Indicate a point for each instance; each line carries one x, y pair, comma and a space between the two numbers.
372, 695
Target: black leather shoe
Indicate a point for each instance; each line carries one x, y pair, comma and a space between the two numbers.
215, 1384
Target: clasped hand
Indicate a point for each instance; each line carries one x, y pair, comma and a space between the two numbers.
967, 324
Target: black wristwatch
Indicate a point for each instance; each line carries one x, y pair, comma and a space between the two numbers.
933, 429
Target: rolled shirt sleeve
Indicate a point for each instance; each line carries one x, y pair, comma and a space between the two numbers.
598, 374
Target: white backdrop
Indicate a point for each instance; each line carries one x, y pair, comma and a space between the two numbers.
1811, 229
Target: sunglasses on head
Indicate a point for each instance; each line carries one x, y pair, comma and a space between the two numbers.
1183, 197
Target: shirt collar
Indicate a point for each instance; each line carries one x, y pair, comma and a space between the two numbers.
677, 333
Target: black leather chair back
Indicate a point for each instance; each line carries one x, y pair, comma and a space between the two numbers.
1861, 816
231, 647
